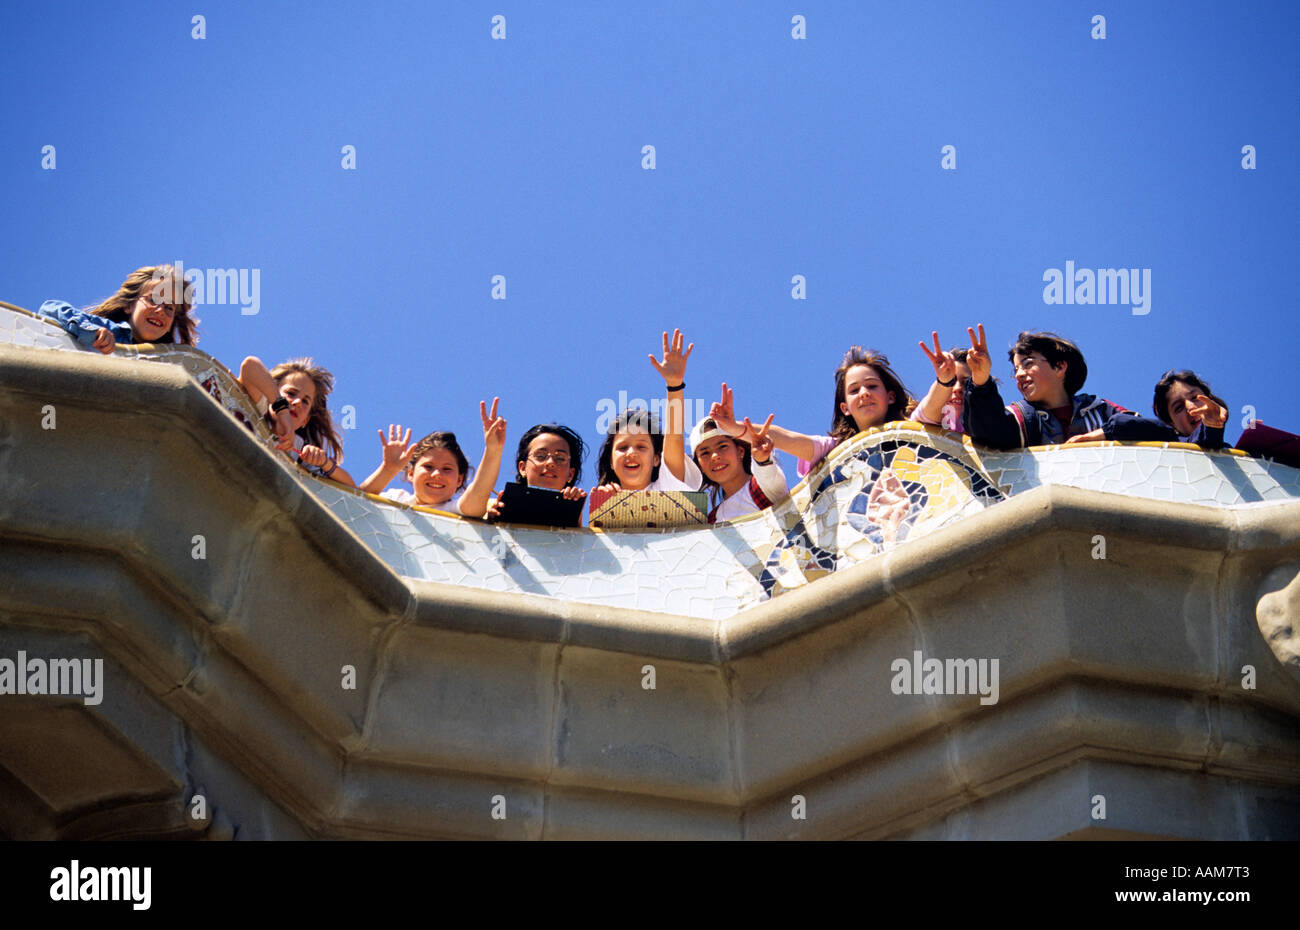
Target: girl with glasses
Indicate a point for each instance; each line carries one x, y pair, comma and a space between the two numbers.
152, 306
549, 456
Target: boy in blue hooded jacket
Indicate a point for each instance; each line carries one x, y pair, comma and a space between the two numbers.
1049, 371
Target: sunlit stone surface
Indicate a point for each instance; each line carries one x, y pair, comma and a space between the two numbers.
318, 663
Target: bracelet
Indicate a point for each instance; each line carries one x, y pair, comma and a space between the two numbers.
679, 387
946, 383
757, 462
333, 466
279, 404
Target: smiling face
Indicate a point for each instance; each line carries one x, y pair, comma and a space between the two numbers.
865, 399
548, 463
150, 321
1038, 381
633, 459
721, 461
1180, 395
300, 391
435, 476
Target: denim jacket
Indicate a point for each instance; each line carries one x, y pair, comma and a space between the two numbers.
83, 326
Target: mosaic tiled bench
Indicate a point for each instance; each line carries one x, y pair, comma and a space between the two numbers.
885, 488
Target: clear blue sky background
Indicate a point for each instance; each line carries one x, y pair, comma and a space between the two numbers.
775, 157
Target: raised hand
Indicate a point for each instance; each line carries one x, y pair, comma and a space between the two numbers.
760, 444
104, 341
1208, 411
396, 447
673, 368
945, 366
723, 413
977, 359
494, 427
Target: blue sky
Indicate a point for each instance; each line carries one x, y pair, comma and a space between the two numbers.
775, 157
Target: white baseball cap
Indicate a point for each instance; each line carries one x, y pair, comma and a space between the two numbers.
705, 430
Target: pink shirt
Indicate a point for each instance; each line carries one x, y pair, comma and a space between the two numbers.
822, 445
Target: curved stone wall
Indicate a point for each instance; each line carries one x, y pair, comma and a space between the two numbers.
307, 688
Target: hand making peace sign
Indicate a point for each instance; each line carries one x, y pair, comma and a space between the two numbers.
977, 359
761, 444
722, 412
494, 427
945, 366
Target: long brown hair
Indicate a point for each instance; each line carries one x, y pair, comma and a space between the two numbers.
843, 425
319, 429
165, 281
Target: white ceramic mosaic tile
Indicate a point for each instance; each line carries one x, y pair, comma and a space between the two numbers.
869, 496
22, 328
873, 494
25, 329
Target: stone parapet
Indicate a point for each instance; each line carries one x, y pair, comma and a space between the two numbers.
1141, 678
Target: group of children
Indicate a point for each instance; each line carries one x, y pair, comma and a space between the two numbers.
730, 459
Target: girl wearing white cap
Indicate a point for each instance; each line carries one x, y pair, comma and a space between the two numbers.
741, 477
